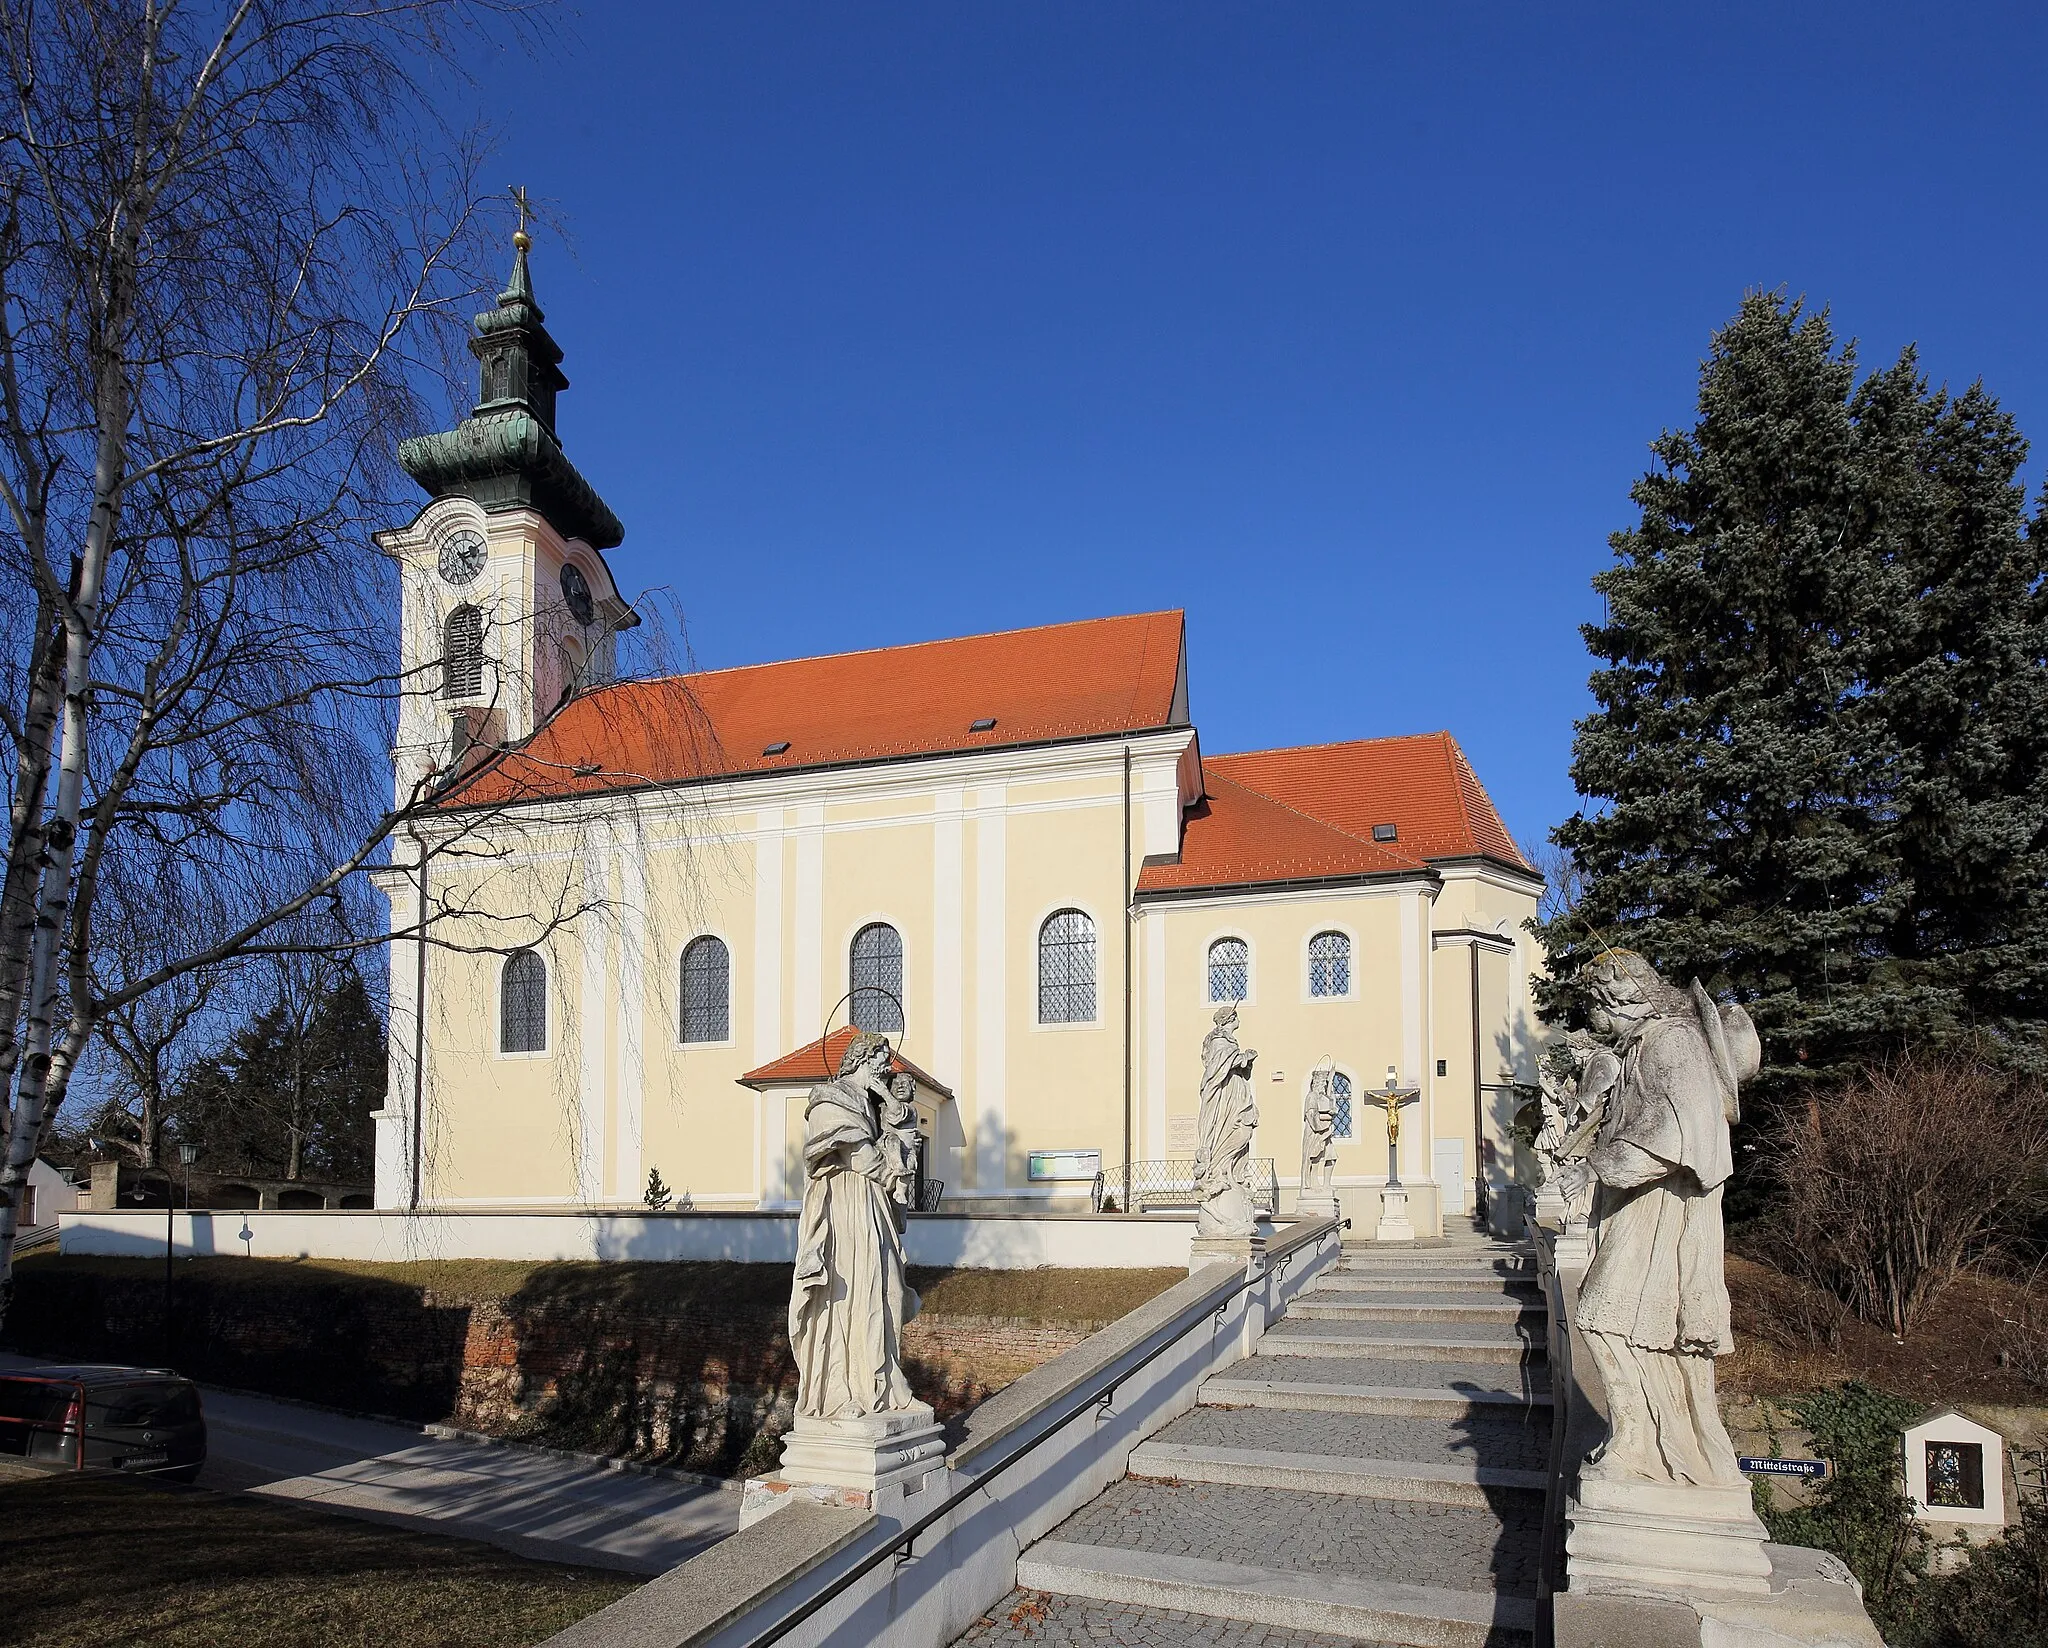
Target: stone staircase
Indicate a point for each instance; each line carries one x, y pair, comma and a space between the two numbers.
1374, 1474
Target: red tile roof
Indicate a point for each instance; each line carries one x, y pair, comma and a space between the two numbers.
1096, 678
1308, 814
817, 1060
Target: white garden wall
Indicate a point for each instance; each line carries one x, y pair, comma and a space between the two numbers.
987, 1241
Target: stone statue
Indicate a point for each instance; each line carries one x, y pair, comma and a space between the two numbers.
1654, 1305
1317, 1196
900, 1141
849, 1300
1228, 1116
1577, 1085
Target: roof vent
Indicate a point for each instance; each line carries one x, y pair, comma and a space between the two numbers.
781, 748
1385, 832
986, 724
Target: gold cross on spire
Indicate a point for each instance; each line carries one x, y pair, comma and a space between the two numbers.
520, 238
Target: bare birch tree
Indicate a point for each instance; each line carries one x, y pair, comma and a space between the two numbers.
228, 234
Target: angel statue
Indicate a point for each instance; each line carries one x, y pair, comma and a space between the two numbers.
1654, 1304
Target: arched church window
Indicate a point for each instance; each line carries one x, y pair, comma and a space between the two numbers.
462, 653
1329, 965
1230, 970
523, 1004
707, 990
1066, 969
875, 977
1340, 1092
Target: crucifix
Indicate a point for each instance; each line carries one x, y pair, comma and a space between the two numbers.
1392, 1097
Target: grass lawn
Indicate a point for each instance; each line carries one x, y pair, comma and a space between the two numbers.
99, 1562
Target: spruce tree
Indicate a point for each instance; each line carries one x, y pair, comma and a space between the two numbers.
1822, 731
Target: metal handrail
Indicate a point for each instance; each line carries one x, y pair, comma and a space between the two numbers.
1099, 1399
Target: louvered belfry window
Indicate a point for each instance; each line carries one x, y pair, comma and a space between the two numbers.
523, 1004
707, 990
1230, 970
1066, 969
462, 653
875, 977
1329, 965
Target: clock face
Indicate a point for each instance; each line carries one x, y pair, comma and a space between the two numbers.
576, 593
462, 556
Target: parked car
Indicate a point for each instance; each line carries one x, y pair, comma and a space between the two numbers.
141, 1421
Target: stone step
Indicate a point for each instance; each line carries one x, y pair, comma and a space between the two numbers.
1355, 1265
1484, 1283
1398, 1344
1333, 1396
1434, 1482
1317, 1306
1042, 1618
1426, 1616
1518, 1439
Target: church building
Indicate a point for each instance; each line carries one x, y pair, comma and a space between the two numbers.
660, 905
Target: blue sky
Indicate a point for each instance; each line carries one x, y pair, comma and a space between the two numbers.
1344, 327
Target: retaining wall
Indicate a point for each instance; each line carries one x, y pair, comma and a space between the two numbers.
978, 1241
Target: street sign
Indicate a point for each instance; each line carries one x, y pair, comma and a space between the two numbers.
1783, 1467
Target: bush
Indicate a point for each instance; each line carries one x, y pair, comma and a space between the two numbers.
1997, 1599
1889, 1185
1860, 1512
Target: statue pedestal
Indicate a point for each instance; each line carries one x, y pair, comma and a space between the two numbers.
850, 1462
1394, 1225
1318, 1204
1638, 1538
1241, 1251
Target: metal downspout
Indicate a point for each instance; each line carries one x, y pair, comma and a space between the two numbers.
419, 1026
1129, 1142
1480, 1196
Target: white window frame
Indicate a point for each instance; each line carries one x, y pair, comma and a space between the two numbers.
1251, 966
1308, 940
1037, 932
732, 973
546, 1050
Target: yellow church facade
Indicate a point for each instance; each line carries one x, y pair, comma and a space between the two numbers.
657, 905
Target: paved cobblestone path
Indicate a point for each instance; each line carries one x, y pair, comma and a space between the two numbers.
1517, 1443
1413, 1543
1040, 1618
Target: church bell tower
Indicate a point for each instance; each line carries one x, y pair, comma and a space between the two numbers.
509, 608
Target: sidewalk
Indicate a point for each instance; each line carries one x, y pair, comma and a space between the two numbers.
524, 1500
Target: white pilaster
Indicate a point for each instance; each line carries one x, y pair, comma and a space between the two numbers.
810, 1002
991, 936
1153, 924
1413, 913
948, 936
629, 1078
768, 1034
591, 935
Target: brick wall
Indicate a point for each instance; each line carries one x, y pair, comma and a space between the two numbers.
627, 1360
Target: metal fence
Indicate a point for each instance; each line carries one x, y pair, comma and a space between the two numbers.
1157, 1187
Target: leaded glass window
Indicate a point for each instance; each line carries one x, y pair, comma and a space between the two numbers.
876, 978
1340, 1089
523, 1004
1955, 1475
462, 653
707, 990
1066, 969
1230, 970
1329, 965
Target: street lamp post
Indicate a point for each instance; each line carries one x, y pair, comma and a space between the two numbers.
187, 1155
1394, 1225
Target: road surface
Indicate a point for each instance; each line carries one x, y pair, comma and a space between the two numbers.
560, 1510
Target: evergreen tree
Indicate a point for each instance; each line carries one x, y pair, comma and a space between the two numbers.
291, 1095
1822, 723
